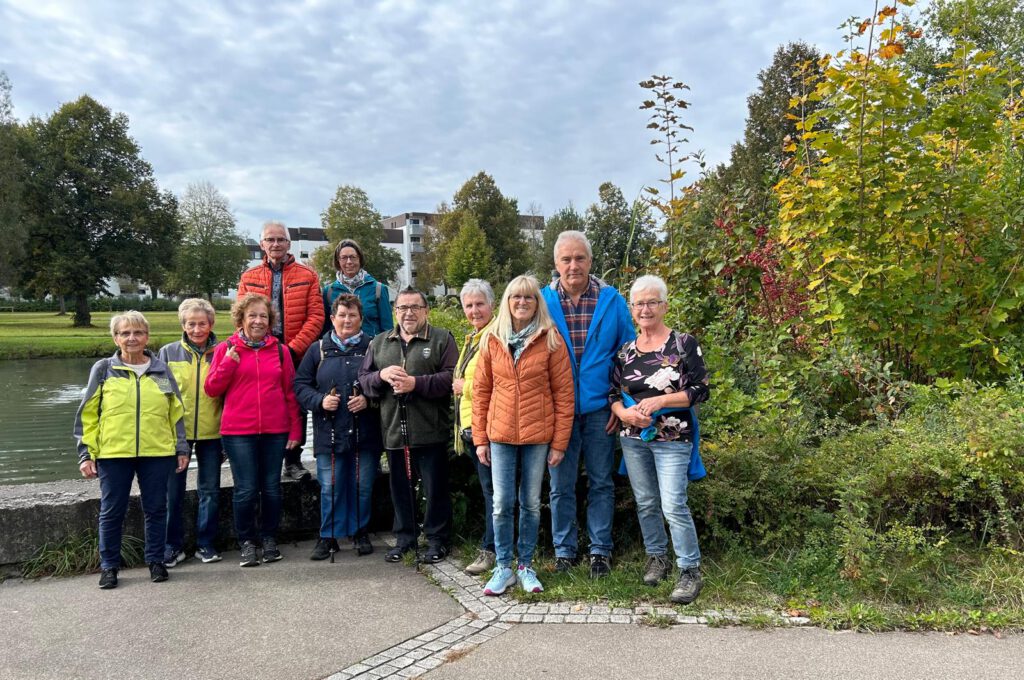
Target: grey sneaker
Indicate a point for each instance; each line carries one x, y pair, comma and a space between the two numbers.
483, 563
600, 566
656, 570
270, 551
296, 471
248, 557
688, 586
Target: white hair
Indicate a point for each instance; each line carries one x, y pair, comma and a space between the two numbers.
572, 235
477, 287
649, 282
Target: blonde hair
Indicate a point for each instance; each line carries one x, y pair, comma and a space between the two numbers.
243, 303
502, 327
189, 305
130, 319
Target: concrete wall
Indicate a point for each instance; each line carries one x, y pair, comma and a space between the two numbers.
32, 515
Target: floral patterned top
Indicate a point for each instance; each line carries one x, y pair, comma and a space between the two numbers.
678, 365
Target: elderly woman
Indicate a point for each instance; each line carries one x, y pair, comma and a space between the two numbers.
189, 360
523, 405
129, 425
656, 379
477, 299
352, 278
254, 374
343, 427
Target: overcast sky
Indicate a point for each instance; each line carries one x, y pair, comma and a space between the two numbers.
277, 103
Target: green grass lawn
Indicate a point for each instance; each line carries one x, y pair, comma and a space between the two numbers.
33, 335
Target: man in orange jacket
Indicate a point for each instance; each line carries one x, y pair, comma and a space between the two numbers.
294, 292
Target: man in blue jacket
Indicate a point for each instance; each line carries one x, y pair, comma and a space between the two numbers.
594, 321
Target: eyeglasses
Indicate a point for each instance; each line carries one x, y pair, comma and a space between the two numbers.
402, 309
521, 298
646, 304
273, 241
348, 257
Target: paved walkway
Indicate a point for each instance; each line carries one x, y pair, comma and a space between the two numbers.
363, 618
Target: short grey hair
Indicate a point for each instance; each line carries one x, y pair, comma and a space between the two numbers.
649, 282
477, 287
572, 235
189, 305
273, 224
130, 319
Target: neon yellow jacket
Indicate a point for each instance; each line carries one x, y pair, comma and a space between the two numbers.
202, 412
123, 415
465, 369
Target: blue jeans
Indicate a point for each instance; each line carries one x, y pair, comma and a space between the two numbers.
116, 476
657, 472
343, 507
208, 460
487, 487
256, 466
598, 449
505, 460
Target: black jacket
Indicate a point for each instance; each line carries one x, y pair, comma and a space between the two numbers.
324, 366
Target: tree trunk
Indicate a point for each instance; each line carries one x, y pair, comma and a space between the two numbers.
153, 292
63, 305
83, 317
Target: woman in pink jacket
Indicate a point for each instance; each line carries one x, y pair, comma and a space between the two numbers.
254, 373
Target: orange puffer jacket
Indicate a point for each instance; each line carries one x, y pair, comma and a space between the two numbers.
303, 307
529, 402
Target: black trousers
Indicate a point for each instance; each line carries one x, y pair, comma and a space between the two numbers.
294, 456
430, 464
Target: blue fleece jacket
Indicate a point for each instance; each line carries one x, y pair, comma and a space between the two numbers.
376, 312
610, 328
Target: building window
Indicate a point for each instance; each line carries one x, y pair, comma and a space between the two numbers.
414, 239
303, 255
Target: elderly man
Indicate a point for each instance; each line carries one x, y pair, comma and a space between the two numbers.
409, 369
594, 320
294, 292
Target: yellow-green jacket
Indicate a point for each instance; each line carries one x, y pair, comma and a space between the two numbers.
124, 415
202, 412
465, 369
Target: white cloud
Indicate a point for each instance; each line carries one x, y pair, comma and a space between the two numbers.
279, 103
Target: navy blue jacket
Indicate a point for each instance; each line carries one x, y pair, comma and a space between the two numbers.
315, 378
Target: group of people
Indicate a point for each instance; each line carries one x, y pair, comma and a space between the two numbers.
551, 375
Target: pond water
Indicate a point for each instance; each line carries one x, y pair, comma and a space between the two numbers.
38, 401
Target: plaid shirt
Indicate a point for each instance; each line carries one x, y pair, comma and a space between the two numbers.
578, 317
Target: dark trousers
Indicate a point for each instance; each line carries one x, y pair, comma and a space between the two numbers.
115, 489
256, 467
430, 464
294, 456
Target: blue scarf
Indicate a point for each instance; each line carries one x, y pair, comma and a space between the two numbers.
517, 341
696, 469
346, 343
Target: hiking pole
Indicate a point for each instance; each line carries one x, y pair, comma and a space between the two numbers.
334, 414
403, 418
353, 433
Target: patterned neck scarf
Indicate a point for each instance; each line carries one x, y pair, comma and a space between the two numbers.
345, 343
517, 341
252, 344
352, 282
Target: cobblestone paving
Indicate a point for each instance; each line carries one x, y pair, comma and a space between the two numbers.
488, 617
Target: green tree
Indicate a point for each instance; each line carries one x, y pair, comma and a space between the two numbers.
97, 211
351, 215
621, 235
470, 255
12, 180
566, 219
212, 254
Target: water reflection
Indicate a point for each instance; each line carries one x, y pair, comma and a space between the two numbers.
38, 400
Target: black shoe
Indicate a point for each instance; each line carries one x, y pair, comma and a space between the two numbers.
564, 564
248, 557
600, 566
157, 572
397, 553
688, 586
108, 579
270, 551
324, 548
435, 553
296, 471
363, 545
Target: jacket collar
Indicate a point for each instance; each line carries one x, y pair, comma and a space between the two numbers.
289, 260
396, 333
